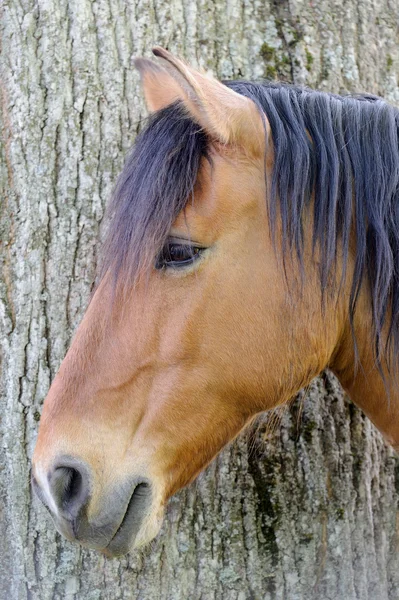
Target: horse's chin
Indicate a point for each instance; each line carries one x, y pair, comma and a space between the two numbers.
149, 531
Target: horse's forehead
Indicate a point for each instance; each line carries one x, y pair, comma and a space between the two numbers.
225, 183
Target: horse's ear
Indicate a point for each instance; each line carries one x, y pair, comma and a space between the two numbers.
224, 115
160, 88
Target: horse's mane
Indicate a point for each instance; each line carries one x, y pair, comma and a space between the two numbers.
345, 148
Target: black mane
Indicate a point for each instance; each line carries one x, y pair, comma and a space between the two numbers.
350, 160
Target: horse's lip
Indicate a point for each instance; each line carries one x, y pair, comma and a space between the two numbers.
136, 510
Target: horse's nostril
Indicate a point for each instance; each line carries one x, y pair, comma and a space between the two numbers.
70, 486
66, 485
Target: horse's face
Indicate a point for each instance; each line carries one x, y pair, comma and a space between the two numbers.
158, 380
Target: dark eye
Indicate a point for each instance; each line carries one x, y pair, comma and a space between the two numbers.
177, 254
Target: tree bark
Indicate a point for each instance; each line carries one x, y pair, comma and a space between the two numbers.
307, 511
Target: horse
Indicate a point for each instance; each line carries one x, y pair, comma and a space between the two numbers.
253, 243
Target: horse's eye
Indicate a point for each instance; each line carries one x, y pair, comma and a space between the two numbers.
177, 254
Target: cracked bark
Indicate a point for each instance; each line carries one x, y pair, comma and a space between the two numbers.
309, 511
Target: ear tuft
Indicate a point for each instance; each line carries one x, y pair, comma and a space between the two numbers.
159, 52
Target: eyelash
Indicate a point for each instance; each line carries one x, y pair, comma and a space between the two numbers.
176, 255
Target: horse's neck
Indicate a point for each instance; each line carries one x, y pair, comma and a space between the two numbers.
363, 381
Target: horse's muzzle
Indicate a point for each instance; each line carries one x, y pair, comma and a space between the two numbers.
66, 492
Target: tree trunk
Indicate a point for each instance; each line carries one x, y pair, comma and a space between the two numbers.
307, 511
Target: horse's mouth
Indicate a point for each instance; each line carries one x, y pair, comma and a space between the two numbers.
136, 511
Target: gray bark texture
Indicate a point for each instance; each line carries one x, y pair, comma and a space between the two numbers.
306, 506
